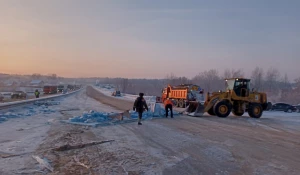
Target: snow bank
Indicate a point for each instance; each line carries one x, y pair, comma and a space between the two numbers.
129, 97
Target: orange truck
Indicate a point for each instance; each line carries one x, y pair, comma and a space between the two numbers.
182, 94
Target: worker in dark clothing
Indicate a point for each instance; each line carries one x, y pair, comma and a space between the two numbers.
140, 105
37, 93
168, 105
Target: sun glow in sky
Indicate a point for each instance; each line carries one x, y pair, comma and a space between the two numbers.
148, 39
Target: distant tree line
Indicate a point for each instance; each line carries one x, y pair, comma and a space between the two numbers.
278, 87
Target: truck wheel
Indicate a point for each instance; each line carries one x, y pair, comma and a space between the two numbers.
255, 110
237, 113
181, 103
222, 109
211, 111
176, 102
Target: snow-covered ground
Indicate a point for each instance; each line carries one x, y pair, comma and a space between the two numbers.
182, 145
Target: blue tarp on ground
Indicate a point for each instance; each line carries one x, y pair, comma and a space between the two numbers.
38, 108
93, 118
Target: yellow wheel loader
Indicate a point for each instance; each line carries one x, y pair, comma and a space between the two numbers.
236, 99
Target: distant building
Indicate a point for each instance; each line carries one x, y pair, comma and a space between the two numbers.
8, 86
11, 84
38, 83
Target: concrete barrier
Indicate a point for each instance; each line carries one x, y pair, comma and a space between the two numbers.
120, 104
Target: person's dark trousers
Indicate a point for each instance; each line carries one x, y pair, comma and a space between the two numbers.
140, 117
167, 109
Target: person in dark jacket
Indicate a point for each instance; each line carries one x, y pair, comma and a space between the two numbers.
139, 106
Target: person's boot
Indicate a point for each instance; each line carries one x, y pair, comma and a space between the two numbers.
139, 123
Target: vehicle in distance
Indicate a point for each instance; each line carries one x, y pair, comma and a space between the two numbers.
283, 107
297, 108
18, 94
50, 89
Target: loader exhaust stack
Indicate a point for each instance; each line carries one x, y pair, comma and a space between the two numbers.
195, 109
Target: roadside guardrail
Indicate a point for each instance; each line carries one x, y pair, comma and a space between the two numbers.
25, 102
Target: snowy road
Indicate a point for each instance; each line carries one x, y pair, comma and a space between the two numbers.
183, 145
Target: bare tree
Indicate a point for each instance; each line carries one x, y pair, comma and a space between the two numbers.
124, 84
297, 82
183, 80
272, 77
286, 89
257, 78
171, 79
208, 80
233, 73
107, 80
296, 88
52, 76
286, 82
293, 95
36, 76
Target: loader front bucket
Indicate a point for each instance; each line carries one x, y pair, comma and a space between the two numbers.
195, 109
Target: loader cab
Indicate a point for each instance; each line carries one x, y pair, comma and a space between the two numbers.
240, 86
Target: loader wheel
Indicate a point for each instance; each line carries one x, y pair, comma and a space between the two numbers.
237, 113
181, 103
222, 109
211, 111
255, 110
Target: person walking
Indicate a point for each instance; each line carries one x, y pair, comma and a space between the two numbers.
139, 106
37, 93
168, 105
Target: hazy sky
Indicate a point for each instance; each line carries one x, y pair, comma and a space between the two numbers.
148, 38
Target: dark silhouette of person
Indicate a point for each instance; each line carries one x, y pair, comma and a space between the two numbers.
139, 106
